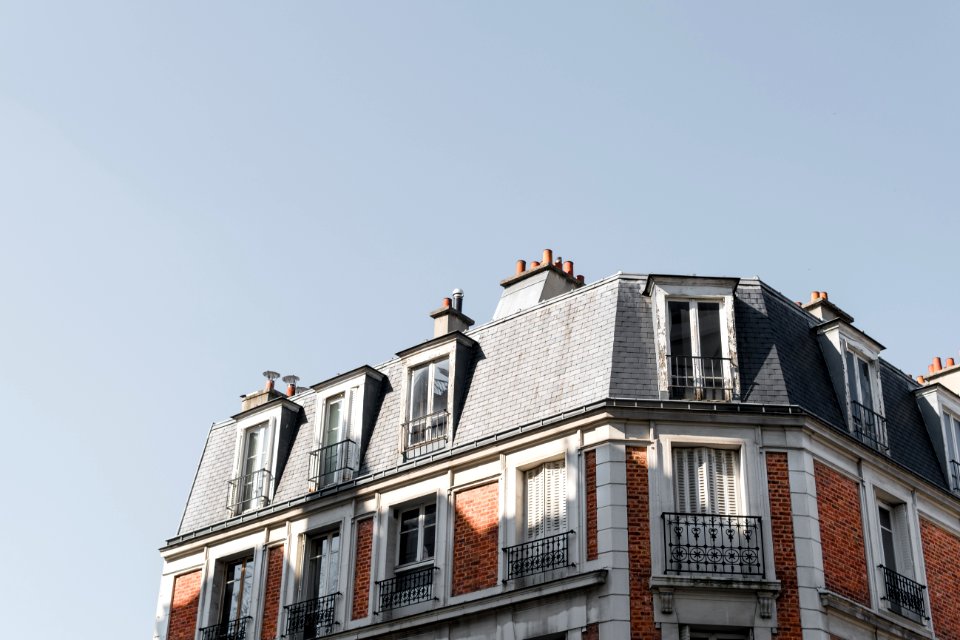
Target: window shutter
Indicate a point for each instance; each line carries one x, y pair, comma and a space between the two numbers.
706, 480
726, 473
535, 525
555, 498
901, 541
684, 471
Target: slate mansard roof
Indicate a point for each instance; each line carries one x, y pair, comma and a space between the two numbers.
588, 346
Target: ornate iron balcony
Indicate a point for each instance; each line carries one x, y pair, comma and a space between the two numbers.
696, 378
955, 476
406, 588
538, 556
712, 543
311, 619
231, 630
333, 464
250, 491
870, 427
425, 434
900, 592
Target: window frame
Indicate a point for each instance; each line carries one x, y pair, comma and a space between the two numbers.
224, 615
421, 560
665, 289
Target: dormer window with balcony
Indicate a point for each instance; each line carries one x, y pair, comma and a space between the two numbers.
695, 338
434, 377
344, 419
265, 430
940, 407
868, 423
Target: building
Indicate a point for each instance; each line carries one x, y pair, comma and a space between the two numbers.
645, 456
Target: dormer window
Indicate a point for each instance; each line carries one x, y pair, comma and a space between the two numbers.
426, 426
696, 341
251, 488
951, 427
335, 460
868, 423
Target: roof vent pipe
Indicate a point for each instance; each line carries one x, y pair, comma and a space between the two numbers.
291, 381
270, 376
458, 300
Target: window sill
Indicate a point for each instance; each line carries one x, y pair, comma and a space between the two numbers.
890, 623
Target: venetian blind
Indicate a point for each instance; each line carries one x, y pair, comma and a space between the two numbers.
546, 500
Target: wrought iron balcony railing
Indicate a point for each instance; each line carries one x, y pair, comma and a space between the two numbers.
311, 619
713, 543
901, 593
409, 587
538, 556
333, 464
425, 434
955, 476
696, 378
231, 630
869, 427
249, 491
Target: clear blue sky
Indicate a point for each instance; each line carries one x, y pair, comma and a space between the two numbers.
193, 192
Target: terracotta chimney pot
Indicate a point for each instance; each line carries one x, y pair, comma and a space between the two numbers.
814, 296
521, 266
937, 365
534, 265
446, 303
547, 256
950, 362
568, 267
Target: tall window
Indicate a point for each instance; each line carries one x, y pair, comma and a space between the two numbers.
333, 420
418, 527
428, 388
696, 364
951, 429
254, 478
706, 480
546, 500
237, 590
859, 381
323, 561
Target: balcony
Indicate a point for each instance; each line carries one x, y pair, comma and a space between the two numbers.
712, 543
311, 619
955, 476
406, 588
425, 434
903, 594
231, 630
538, 556
249, 491
869, 427
333, 464
696, 378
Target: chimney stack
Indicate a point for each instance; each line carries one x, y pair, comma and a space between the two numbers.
449, 317
262, 396
291, 381
947, 374
821, 307
536, 281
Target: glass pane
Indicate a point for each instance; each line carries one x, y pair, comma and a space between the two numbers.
247, 590
332, 421
418, 392
441, 380
332, 565
852, 377
429, 530
680, 344
409, 530
886, 537
708, 319
252, 462
865, 393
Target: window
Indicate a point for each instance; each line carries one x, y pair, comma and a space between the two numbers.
314, 616
336, 458
250, 490
545, 533
697, 367
902, 595
426, 428
417, 534
951, 427
235, 602
546, 500
707, 533
869, 426
706, 480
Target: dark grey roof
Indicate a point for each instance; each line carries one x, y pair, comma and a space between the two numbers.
593, 343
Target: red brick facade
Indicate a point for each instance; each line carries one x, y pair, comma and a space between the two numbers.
476, 529
361, 570
784, 552
941, 553
183, 607
590, 473
638, 532
841, 534
271, 600
591, 632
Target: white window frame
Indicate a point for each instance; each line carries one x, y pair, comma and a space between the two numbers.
308, 578
421, 560
428, 358
666, 290
951, 428
553, 477
711, 492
